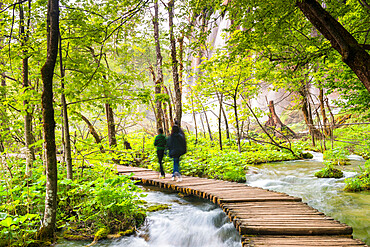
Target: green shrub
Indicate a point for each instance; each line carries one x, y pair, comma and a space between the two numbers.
337, 156
361, 182
96, 198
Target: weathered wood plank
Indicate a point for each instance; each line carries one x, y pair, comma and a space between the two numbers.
289, 241
294, 230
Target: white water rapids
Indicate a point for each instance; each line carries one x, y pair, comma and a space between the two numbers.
190, 222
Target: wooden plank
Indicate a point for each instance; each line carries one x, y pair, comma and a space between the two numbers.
294, 230
256, 199
289, 241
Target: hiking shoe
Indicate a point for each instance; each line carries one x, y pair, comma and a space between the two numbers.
173, 178
180, 179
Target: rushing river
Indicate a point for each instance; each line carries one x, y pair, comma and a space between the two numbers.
296, 178
190, 222
194, 222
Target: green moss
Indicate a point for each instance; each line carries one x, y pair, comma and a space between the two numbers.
329, 172
78, 237
127, 232
158, 207
101, 233
307, 155
140, 216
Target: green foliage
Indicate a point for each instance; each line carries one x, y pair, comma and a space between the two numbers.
361, 182
336, 156
205, 159
329, 172
96, 199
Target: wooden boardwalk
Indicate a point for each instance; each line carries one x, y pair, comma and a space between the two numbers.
262, 217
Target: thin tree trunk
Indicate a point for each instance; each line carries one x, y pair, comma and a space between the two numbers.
158, 112
353, 54
158, 83
30, 154
175, 74
225, 119
3, 95
195, 120
204, 130
66, 135
92, 130
181, 62
166, 120
208, 126
111, 126
47, 230
220, 101
235, 106
325, 120
219, 125
169, 104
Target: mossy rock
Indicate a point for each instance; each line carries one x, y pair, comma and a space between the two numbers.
158, 207
307, 155
329, 172
140, 216
340, 163
128, 232
72, 234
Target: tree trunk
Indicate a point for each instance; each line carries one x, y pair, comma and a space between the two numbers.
195, 120
159, 81
66, 135
219, 125
308, 117
92, 130
158, 112
111, 126
30, 154
208, 126
169, 105
235, 106
202, 122
225, 119
3, 117
47, 231
176, 82
275, 122
353, 54
325, 120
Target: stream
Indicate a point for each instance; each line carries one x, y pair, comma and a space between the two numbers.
195, 222
190, 222
296, 178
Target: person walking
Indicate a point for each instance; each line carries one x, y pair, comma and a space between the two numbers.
160, 142
176, 144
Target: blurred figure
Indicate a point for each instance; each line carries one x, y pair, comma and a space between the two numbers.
176, 144
160, 142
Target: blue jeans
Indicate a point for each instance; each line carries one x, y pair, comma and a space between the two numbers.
176, 165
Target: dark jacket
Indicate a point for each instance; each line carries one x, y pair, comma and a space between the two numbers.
160, 142
176, 145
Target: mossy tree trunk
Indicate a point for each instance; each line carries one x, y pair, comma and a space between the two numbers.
47, 230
